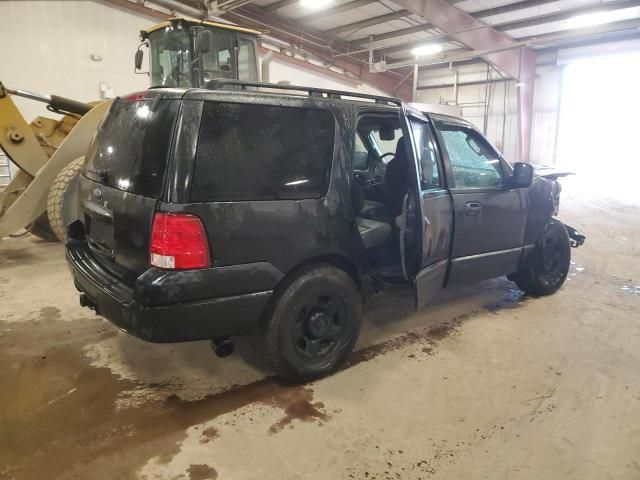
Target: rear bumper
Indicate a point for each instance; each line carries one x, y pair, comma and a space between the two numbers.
178, 322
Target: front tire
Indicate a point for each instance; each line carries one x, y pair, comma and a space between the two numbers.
313, 325
546, 269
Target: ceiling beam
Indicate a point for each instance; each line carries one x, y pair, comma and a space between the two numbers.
623, 29
527, 22
280, 4
512, 7
463, 28
567, 14
502, 51
345, 7
369, 22
318, 45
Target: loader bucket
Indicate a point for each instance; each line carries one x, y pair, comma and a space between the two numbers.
32, 203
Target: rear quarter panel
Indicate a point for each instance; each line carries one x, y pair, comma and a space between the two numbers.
285, 233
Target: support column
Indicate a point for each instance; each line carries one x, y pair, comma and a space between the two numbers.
525, 93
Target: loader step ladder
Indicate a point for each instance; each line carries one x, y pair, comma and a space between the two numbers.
5, 176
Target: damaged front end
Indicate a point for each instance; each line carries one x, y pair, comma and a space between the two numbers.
577, 239
552, 175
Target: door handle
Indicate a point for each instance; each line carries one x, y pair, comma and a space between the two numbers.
472, 208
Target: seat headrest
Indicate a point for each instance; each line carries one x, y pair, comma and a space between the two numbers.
401, 149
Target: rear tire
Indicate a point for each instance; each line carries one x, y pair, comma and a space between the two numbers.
313, 324
546, 269
60, 202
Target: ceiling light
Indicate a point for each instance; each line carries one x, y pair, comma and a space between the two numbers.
315, 4
424, 50
588, 20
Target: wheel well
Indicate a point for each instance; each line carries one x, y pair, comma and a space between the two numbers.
338, 261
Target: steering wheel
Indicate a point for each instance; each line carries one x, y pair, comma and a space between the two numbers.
390, 154
176, 75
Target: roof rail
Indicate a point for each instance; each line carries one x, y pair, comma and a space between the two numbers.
218, 84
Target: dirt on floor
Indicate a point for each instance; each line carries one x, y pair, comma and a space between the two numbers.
485, 383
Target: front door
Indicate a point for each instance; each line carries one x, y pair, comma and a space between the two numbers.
490, 218
427, 268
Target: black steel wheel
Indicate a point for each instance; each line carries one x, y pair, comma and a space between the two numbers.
547, 267
313, 324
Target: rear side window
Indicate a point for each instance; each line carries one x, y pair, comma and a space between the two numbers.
132, 145
261, 152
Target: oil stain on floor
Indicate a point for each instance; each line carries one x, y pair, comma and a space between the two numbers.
59, 418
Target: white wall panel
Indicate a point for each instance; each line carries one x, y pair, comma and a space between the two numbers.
48, 45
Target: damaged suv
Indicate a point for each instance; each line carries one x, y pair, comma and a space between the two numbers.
208, 214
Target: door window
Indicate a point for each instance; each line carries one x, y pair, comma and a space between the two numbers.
219, 62
427, 158
475, 164
247, 68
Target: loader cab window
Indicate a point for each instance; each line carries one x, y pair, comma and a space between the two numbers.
220, 61
171, 54
247, 67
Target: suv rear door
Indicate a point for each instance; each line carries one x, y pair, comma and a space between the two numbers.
124, 179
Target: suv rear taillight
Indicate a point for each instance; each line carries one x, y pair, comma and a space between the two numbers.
178, 242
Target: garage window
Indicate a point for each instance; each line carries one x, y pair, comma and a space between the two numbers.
262, 152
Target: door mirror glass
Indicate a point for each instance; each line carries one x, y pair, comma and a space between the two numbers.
203, 44
522, 175
138, 59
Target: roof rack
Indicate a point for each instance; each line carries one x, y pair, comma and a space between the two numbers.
218, 84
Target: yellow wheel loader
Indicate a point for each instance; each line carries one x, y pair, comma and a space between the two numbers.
49, 153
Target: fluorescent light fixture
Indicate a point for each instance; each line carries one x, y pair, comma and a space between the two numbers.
315, 3
425, 50
589, 19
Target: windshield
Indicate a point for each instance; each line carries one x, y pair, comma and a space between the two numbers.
171, 55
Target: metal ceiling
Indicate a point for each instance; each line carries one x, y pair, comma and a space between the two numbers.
348, 28
352, 35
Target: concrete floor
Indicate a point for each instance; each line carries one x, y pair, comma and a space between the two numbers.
484, 384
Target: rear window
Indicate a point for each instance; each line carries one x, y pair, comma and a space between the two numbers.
132, 145
260, 152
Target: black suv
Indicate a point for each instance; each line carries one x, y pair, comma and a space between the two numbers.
207, 214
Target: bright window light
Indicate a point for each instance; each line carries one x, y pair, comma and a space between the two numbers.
589, 20
315, 3
598, 126
424, 50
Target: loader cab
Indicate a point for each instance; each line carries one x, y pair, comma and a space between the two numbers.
190, 54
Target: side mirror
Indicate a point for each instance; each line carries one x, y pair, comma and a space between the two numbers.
138, 59
204, 41
522, 175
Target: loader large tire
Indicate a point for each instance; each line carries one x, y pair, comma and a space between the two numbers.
60, 203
